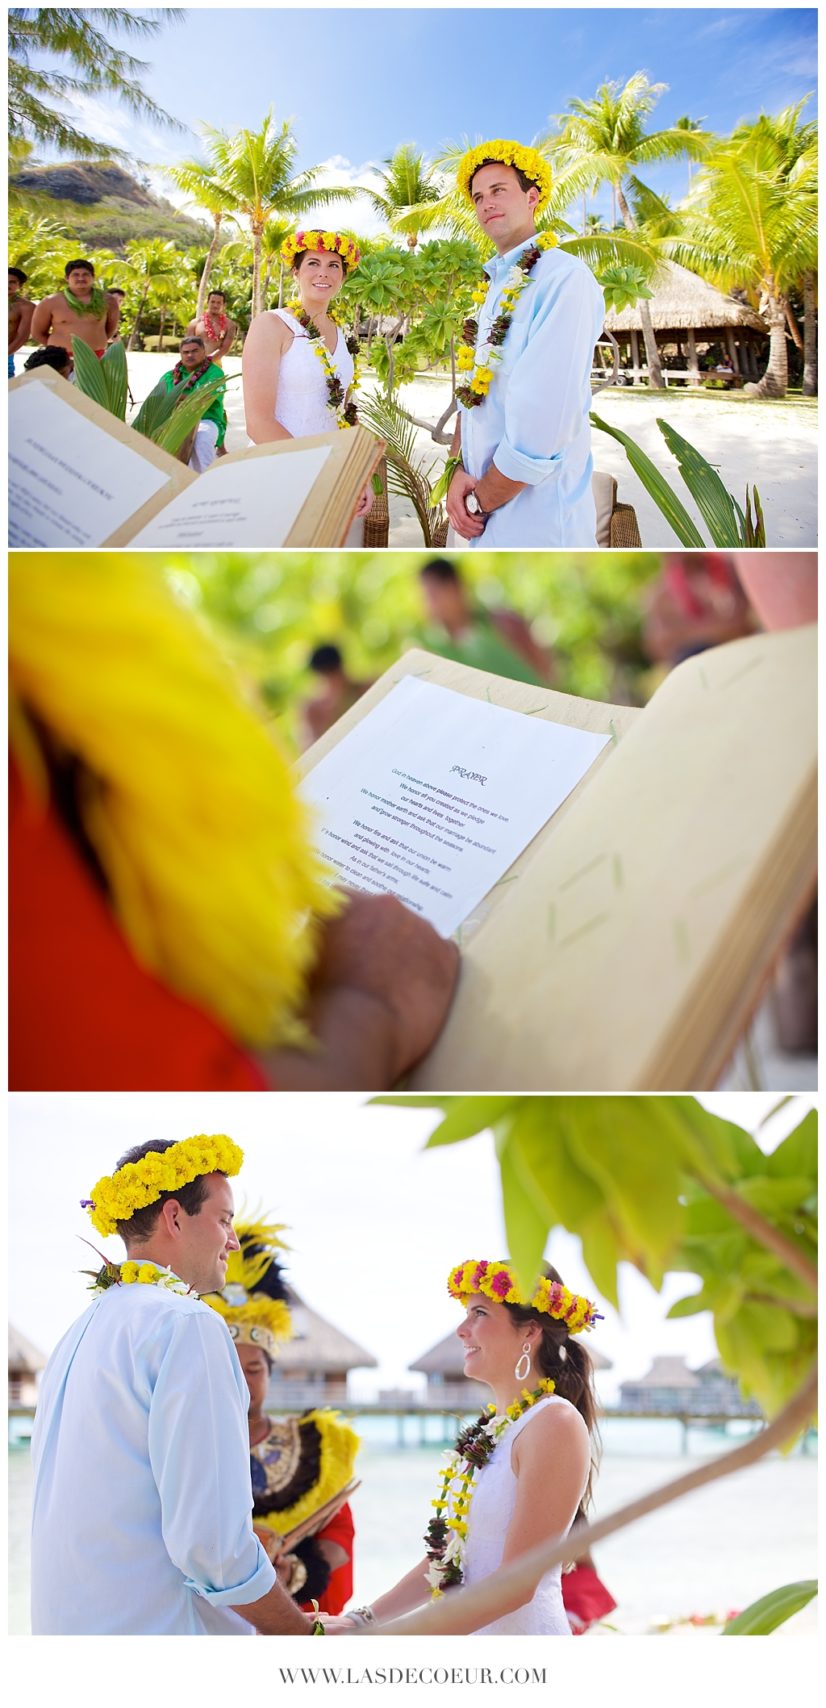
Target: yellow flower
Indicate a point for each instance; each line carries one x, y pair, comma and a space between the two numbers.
464, 358
510, 153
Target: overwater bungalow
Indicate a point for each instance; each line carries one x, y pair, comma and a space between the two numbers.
449, 1389
689, 316
312, 1368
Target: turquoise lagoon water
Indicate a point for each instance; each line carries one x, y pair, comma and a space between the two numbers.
716, 1550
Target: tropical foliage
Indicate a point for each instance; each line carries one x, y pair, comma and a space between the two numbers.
168, 420
80, 40
665, 1185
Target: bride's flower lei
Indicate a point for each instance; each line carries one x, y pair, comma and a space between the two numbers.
345, 412
477, 362
445, 1537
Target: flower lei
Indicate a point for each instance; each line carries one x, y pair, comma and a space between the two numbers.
184, 379
117, 1196
343, 409
130, 1273
445, 1537
477, 363
497, 1282
210, 330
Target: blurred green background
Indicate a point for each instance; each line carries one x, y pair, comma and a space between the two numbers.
268, 611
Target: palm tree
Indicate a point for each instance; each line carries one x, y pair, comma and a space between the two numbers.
796, 148
254, 171
596, 247
604, 140
200, 184
73, 37
407, 186
752, 224
685, 123
154, 270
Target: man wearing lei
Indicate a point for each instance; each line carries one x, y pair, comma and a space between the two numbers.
522, 439
195, 368
142, 1521
81, 310
301, 1467
214, 327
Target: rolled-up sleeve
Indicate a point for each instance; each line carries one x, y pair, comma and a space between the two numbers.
199, 1453
549, 384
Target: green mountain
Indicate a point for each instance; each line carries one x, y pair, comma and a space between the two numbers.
106, 206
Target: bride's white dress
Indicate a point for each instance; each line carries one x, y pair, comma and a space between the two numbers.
491, 1511
301, 404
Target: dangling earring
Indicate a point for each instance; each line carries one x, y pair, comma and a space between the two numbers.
520, 1374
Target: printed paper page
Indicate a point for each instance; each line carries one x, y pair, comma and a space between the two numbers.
70, 483
434, 795
236, 504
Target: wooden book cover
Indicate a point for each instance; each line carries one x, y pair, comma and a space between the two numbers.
628, 946
80, 477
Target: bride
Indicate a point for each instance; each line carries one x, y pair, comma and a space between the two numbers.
298, 367
522, 1474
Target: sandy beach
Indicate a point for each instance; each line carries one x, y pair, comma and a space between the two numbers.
770, 445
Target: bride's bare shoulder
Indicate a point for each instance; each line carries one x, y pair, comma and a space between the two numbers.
554, 1428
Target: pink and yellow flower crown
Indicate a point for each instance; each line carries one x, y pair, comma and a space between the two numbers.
496, 1281
116, 1197
334, 242
529, 160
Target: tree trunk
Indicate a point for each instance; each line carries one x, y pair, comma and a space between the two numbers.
160, 329
208, 265
584, 213
257, 230
655, 373
809, 337
141, 306
776, 378
794, 329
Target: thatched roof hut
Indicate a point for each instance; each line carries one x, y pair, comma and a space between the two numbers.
25, 1364
312, 1368
447, 1360
687, 310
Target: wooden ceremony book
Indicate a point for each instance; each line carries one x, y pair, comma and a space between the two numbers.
628, 946
80, 477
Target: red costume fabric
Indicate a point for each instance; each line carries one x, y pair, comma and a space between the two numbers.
585, 1598
84, 1014
340, 1587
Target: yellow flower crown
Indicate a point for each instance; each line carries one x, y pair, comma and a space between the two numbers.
334, 242
496, 1281
528, 160
253, 1318
117, 1196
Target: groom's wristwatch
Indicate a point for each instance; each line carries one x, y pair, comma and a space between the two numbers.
474, 508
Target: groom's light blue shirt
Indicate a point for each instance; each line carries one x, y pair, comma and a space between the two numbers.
142, 1498
533, 423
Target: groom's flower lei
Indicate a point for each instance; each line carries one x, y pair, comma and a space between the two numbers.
478, 360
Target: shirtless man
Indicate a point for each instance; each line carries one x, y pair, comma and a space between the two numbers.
214, 326
80, 310
20, 315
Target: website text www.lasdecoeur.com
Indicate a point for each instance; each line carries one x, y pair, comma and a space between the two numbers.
411, 1675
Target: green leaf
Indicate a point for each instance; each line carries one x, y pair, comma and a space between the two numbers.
764, 1616
655, 485
713, 501
600, 1250
469, 1116
88, 376
691, 1305
798, 1152
186, 414
547, 1134
116, 379
775, 1196
525, 1224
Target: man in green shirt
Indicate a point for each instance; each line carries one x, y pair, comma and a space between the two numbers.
459, 628
194, 368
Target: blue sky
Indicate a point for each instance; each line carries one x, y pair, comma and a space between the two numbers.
358, 82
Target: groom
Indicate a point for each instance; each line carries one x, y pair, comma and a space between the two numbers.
525, 472
142, 1499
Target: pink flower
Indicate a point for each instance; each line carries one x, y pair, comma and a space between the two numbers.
501, 1283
